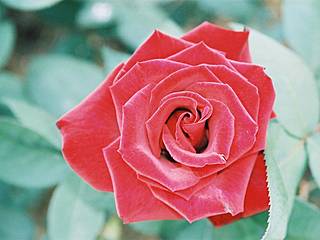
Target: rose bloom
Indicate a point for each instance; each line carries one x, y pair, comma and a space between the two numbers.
178, 130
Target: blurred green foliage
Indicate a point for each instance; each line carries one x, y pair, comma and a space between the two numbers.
54, 52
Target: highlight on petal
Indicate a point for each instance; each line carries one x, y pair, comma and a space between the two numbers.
136, 152
158, 46
134, 200
256, 199
82, 146
224, 194
233, 43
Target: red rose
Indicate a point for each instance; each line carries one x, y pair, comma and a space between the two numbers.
178, 130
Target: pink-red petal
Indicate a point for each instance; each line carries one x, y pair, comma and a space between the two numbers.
233, 43
256, 199
138, 77
224, 194
134, 200
245, 126
88, 128
257, 76
136, 152
158, 46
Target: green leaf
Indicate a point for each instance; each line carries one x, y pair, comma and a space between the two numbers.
7, 39
76, 44
15, 225
58, 82
22, 198
301, 21
313, 146
200, 230
29, 5
244, 229
95, 14
285, 159
297, 101
27, 160
69, 216
304, 221
170, 228
135, 26
10, 86
112, 58
36, 120
152, 228
239, 10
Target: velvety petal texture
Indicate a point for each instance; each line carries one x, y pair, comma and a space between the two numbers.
177, 131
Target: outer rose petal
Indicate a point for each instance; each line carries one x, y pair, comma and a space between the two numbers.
221, 67
134, 200
258, 77
138, 77
157, 46
200, 53
225, 193
136, 152
256, 200
233, 43
82, 146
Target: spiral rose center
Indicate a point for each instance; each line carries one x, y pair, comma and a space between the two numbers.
184, 123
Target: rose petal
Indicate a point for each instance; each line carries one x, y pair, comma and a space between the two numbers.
158, 46
233, 43
174, 125
189, 158
136, 152
81, 143
179, 81
224, 194
221, 133
257, 76
246, 91
200, 53
256, 199
138, 77
134, 200
245, 127
169, 104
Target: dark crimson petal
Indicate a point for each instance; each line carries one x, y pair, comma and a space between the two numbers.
136, 152
224, 194
138, 77
257, 76
256, 200
82, 146
134, 200
158, 46
233, 43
